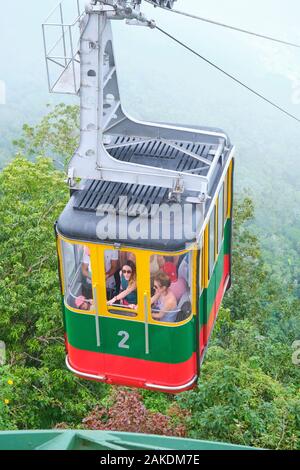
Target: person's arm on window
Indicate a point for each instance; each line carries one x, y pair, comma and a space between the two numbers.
168, 307
154, 298
123, 294
126, 292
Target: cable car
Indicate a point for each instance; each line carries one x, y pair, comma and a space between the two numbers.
124, 344
144, 243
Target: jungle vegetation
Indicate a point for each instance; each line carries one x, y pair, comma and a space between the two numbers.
249, 389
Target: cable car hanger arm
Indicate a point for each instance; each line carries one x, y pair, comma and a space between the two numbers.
105, 125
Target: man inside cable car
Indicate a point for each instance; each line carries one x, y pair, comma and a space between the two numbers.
86, 273
111, 269
164, 301
178, 284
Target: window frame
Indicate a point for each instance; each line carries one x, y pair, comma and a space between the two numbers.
211, 266
226, 198
221, 224
193, 284
114, 309
66, 286
201, 266
143, 287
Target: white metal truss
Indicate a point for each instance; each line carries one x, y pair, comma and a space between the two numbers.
101, 113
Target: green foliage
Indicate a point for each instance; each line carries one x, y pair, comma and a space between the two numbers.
249, 387
155, 401
57, 135
31, 197
39, 398
237, 402
6, 392
248, 391
249, 274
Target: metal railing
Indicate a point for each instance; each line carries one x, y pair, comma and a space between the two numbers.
61, 46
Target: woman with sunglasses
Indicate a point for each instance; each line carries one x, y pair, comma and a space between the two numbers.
128, 293
164, 301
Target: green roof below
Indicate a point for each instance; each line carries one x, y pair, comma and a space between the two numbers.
102, 440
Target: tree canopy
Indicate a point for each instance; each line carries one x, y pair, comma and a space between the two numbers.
249, 387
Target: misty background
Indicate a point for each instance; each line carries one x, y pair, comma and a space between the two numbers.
161, 81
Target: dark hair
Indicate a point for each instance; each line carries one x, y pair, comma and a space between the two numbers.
163, 279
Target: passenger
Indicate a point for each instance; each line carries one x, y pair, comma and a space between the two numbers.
170, 269
172, 259
83, 304
178, 285
128, 292
164, 300
183, 269
123, 257
111, 267
86, 273
156, 264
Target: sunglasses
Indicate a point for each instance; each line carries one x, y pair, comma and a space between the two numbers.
126, 272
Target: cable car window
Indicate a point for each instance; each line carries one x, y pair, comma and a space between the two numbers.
220, 219
121, 281
225, 198
171, 278
201, 269
212, 242
78, 276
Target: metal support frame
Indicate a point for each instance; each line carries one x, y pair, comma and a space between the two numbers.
67, 59
102, 116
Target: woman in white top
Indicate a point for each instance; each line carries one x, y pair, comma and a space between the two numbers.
111, 258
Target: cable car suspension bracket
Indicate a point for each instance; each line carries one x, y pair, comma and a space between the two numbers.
104, 123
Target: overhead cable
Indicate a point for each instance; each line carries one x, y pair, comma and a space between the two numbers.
259, 95
223, 25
